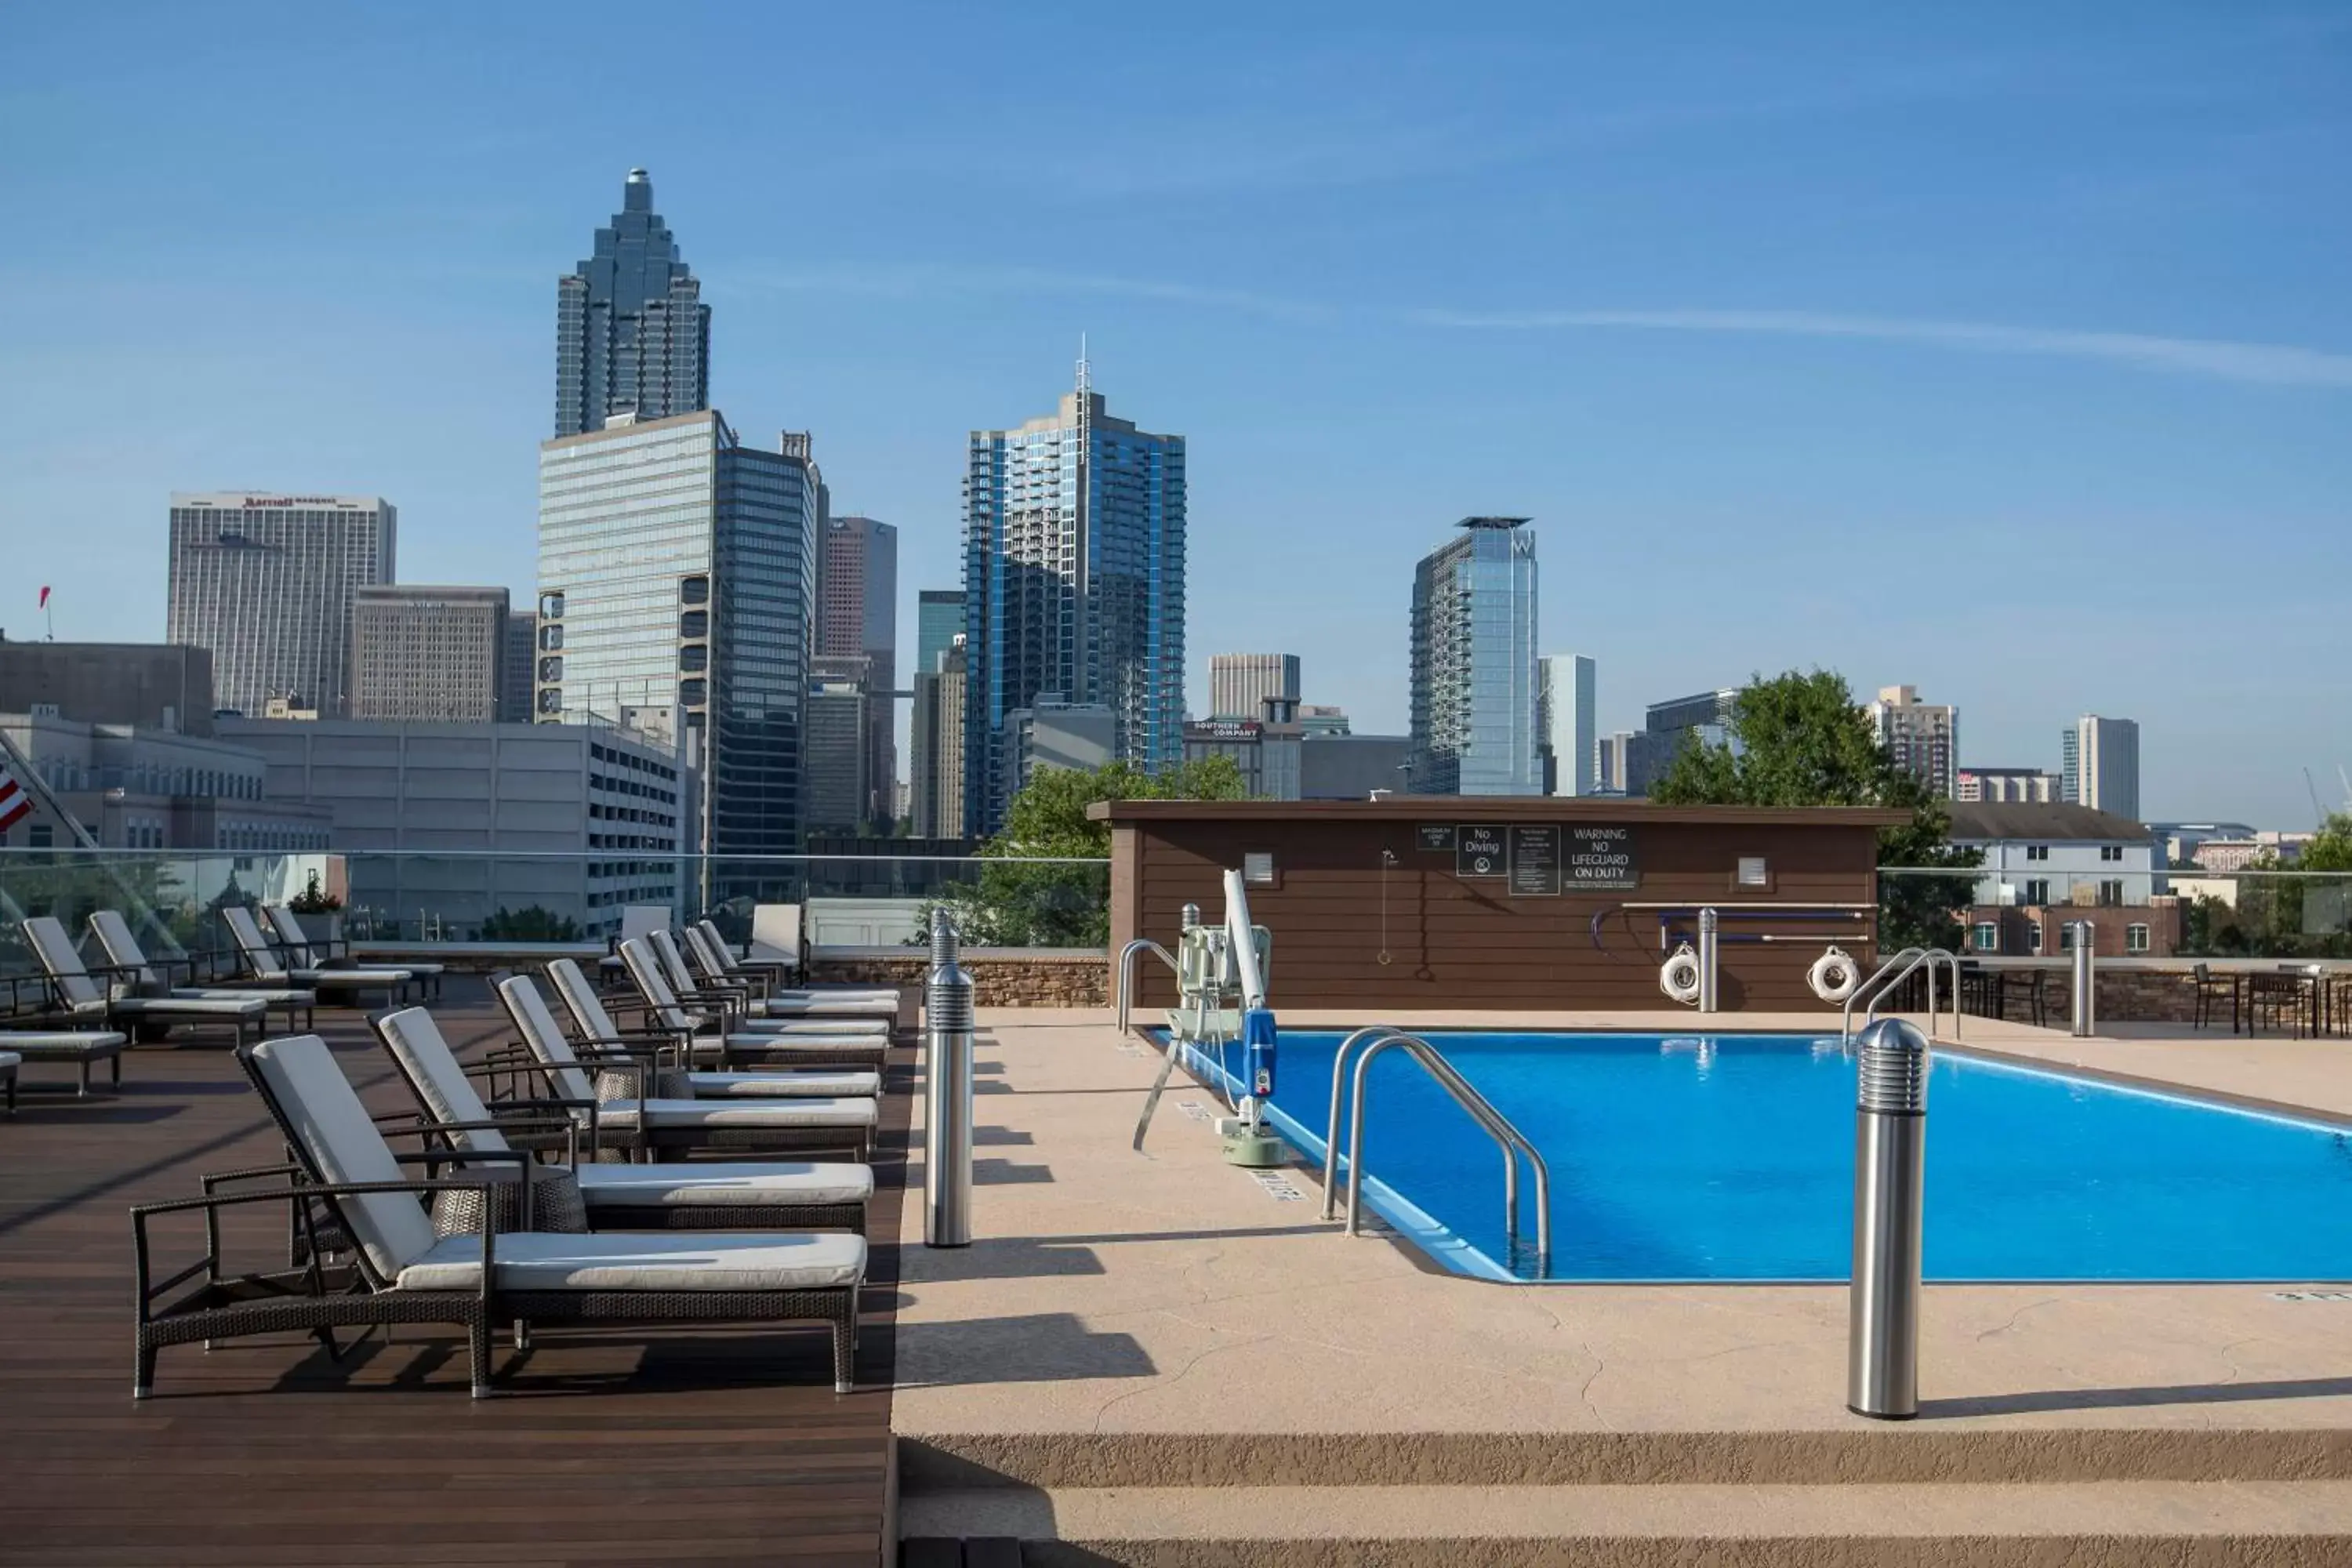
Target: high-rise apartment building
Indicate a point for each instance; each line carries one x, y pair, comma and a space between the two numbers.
1474, 662
837, 787
1074, 584
1923, 738
515, 672
266, 582
435, 655
857, 618
2099, 764
936, 768
1241, 683
1612, 760
1566, 735
676, 589
939, 621
631, 333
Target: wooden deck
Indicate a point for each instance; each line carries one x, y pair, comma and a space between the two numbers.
718, 1445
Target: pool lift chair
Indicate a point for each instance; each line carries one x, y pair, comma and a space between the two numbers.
1220, 973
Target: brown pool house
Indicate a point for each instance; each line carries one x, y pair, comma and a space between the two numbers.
1506, 902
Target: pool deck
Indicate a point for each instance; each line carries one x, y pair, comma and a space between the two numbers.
1165, 1320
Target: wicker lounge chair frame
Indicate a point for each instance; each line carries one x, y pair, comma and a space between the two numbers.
661, 1007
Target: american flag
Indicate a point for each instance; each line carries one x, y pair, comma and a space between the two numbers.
15, 803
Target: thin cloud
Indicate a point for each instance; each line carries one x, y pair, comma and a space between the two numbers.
914, 282
2271, 364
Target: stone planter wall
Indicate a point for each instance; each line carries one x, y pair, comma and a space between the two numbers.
1000, 977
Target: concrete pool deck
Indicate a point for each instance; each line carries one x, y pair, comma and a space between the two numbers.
1166, 1320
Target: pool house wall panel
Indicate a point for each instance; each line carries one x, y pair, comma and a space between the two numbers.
1469, 941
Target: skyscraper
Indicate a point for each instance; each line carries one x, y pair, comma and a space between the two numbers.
1074, 584
2099, 764
676, 589
1240, 683
1566, 735
857, 618
515, 672
264, 583
837, 793
1474, 662
631, 333
935, 771
1923, 738
432, 654
939, 621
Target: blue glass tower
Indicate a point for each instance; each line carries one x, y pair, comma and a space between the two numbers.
1475, 686
1074, 584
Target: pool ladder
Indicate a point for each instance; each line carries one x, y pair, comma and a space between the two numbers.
1893, 972
1377, 1037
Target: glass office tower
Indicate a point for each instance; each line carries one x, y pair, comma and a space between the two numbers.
1074, 584
676, 586
1475, 685
631, 333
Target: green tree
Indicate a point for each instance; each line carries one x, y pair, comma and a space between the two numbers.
535, 924
1017, 902
1800, 739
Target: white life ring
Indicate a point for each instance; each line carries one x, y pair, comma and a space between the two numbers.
1678, 976
1832, 975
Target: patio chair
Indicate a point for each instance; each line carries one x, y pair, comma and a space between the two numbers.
764, 1041
113, 1007
695, 1195
400, 1272
767, 1040
776, 939
591, 1027
125, 955
344, 987
775, 973
629, 1118
303, 952
637, 922
2272, 996
2211, 987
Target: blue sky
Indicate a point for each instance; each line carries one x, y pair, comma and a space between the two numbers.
2006, 353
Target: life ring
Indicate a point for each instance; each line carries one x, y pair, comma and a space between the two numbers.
1832, 975
1678, 976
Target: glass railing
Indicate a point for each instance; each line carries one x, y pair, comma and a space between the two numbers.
174, 898
2027, 912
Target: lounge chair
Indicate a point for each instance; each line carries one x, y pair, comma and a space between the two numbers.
637, 922
707, 951
84, 1048
302, 952
798, 1003
642, 1123
776, 940
125, 955
344, 987
400, 1272
9, 1062
759, 1041
695, 1195
112, 1006
592, 1032
866, 1038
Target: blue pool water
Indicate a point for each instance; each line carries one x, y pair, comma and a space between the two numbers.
1731, 1157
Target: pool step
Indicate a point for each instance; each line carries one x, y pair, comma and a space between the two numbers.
2144, 1525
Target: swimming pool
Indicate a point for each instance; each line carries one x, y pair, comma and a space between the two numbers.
1731, 1157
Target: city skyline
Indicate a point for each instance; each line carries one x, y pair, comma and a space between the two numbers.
1862, 380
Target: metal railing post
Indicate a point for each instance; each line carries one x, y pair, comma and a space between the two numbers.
2086, 980
1710, 946
947, 1092
1889, 1190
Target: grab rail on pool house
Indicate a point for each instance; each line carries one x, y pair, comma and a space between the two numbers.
1127, 956
1883, 982
1507, 1137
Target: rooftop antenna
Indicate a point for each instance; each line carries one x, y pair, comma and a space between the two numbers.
1086, 376
2318, 811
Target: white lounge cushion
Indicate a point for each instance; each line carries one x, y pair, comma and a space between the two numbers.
432, 1069
347, 979
770, 1182
9, 1060
58, 1045
287, 998
786, 1047
800, 1085
536, 1260
334, 1130
814, 1007
742, 1114
875, 1029
241, 1006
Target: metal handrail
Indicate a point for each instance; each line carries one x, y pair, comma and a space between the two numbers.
1845, 1013
1127, 956
1916, 958
1331, 1125
1507, 1137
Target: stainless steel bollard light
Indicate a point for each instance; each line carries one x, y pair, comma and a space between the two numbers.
1889, 1185
946, 1093
2087, 981
1710, 952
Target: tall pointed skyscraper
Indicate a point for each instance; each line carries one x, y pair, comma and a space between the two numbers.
1074, 586
631, 333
